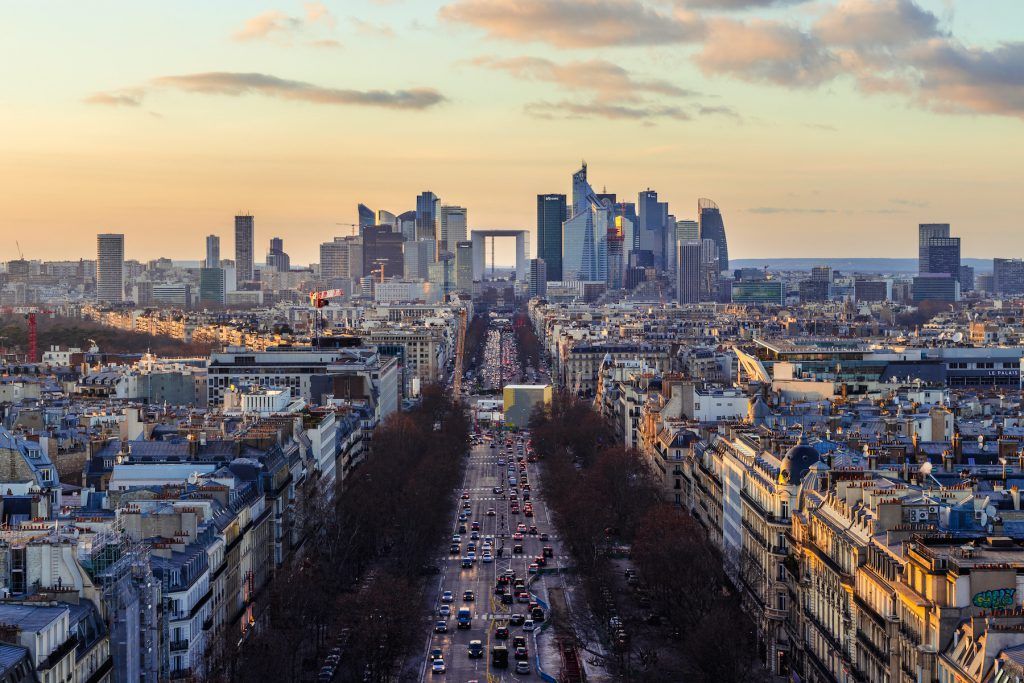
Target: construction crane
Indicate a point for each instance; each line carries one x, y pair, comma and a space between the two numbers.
318, 300
33, 332
460, 349
354, 226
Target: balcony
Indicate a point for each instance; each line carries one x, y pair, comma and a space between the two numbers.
179, 645
180, 674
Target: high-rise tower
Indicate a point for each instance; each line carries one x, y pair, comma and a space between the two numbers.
713, 228
550, 216
244, 229
212, 251
110, 268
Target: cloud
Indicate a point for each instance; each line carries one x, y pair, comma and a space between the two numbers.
731, 5
719, 110
766, 51
955, 78
576, 23
266, 25
237, 84
781, 209
910, 202
864, 24
117, 98
609, 81
367, 28
326, 43
615, 112
828, 127
275, 24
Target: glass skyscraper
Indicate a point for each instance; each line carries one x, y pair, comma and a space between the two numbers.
585, 233
713, 228
550, 216
925, 233
244, 228
427, 205
366, 216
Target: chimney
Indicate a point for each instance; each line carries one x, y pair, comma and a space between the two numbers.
958, 448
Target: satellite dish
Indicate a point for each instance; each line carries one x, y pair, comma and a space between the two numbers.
193, 478
958, 337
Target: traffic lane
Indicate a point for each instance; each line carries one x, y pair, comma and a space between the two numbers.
479, 578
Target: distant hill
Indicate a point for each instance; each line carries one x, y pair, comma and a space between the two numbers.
850, 265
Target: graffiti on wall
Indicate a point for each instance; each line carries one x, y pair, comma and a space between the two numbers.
1001, 598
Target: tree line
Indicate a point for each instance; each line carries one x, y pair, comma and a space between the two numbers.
605, 499
361, 565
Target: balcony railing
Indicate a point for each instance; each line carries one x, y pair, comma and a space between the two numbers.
179, 645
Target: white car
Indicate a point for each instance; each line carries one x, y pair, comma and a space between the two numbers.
447, 596
488, 558
445, 611
528, 625
438, 667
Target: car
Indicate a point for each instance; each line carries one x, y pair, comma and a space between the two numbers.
434, 654
456, 539
501, 633
523, 597
440, 626
537, 613
528, 625
519, 641
475, 535
517, 549
548, 551
541, 561
444, 611
468, 596
533, 568
465, 495
471, 555
447, 596
491, 512
332, 659
462, 528
476, 526
523, 668
455, 548
521, 654
529, 512
533, 530
506, 599
545, 537
471, 547
438, 667
467, 563
517, 536
487, 557
475, 649
325, 676
520, 527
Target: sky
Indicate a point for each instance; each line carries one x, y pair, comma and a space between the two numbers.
820, 127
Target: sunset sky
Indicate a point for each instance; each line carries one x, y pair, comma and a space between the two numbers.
822, 128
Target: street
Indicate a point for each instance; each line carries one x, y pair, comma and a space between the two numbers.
483, 473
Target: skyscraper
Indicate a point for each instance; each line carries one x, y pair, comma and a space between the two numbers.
387, 218
538, 278
688, 272
550, 216
585, 233
381, 247
1007, 276
925, 232
342, 258
427, 204
653, 225
366, 215
212, 251
418, 255
277, 259
453, 227
710, 270
211, 286
244, 229
110, 268
943, 256
687, 231
713, 228
464, 267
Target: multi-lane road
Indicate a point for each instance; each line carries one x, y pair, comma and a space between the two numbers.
488, 469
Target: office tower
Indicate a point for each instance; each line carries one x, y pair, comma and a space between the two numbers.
943, 256
615, 272
342, 258
814, 289
464, 267
244, 229
453, 222
110, 268
212, 251
871, 290
407, 226
442, 274
585, 233
389, 219
713, 228
538, 278
687, 231
936, 287
427, 204
366, 216
550, 216
688, 272
1007, 276
926, 232
710, 270
382, 248
966, 278
277, 259
821, 273
211, 286
418, 255
653, 226
753, 292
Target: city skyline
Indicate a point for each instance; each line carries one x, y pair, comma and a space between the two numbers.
271, 111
